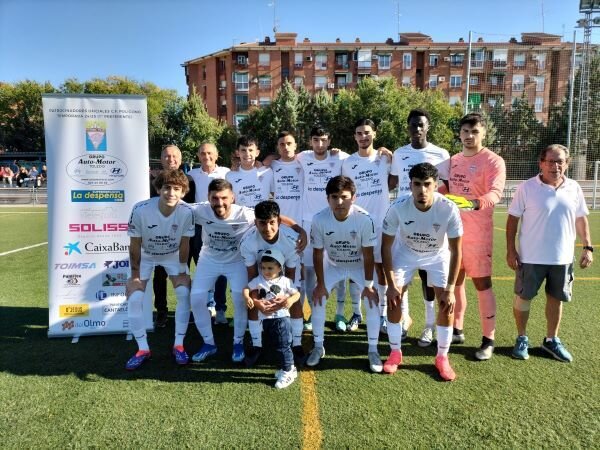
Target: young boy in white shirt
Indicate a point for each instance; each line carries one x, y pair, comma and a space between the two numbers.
272, 294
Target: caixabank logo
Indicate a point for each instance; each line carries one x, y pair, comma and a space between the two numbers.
96, 169
87, 323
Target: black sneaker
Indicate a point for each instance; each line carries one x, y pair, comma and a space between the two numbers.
299, 356
161, 319
252, 356
486, 350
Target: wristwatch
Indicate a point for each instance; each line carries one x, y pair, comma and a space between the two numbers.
588, 247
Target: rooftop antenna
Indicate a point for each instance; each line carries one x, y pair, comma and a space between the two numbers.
275, 20
398, 18
543, 31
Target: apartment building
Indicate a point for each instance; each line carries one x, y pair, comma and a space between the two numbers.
235, 80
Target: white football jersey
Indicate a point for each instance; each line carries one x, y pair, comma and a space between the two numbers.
253, 245
160, 235
343, 241
288, 183
422, 233
203, 179
221, 237
316, 175
370, 175
251, 186
406, 157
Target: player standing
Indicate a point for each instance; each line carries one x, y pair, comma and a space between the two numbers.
160, 231
476, 182
405, 158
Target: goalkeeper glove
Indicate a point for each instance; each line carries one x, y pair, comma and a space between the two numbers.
461, 202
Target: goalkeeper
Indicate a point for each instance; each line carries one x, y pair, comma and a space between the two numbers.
475, 184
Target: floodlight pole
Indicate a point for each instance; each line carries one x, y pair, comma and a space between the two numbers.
571, 90
468, 80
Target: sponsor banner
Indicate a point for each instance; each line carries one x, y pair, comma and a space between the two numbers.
94, 145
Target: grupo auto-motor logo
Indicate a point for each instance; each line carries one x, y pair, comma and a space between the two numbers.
96, 169
97, 196
87, 323
97, 227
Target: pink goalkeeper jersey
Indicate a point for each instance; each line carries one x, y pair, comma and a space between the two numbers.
479, 177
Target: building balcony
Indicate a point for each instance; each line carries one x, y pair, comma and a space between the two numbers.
342, 66
477, 64
496, 87
518, 87
241, 108
499, 64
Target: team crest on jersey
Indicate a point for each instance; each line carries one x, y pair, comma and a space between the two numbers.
298, 169
260, 178
377, 161
472, 169
174, 227
436, 227
353, 235
235, 227
332, 164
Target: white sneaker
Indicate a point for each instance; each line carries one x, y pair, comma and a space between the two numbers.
212, 311
220, 317
426, 338
315, 355
375, 363
286, 378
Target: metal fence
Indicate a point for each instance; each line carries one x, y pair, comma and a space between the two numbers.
24, 196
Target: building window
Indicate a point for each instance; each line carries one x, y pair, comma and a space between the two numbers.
433, 81
500, 56
264, 59
456, 59
385, 62
364, 59
433, 59
518, 82
455, 81
264, 82
539, 104
407, 60
578, 60
492, 102
298, 81
242, 60
540, 59
321, 61
298, 58
341, 81
264, 101
320, 82
519, 60
237, 119
496, 80
241, 103
204, 72
406, 81
241, 81
454, 99
477, 58
341, 60
539, 84
474, 80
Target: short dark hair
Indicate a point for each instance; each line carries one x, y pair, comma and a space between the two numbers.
266, 210
472, 119
422, 171
418, 112
363, 121
269, 259
339, 184
319, 130
246, 141
283, 134
172, 177
219, 184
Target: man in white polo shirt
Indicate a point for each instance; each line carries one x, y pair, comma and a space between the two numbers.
552, 211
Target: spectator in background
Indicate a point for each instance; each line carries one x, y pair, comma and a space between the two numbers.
44, 174
21, 177
33, 177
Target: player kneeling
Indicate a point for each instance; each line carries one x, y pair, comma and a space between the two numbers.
272, 294
160, 231
429, 231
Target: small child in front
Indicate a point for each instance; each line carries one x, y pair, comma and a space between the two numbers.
272, 294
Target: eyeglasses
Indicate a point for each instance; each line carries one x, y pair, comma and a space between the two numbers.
550, 162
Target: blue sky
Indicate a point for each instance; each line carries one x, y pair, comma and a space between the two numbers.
148, 40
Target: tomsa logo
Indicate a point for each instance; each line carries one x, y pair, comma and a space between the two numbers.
96, 227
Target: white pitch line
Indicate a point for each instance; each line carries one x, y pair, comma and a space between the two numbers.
23, 248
